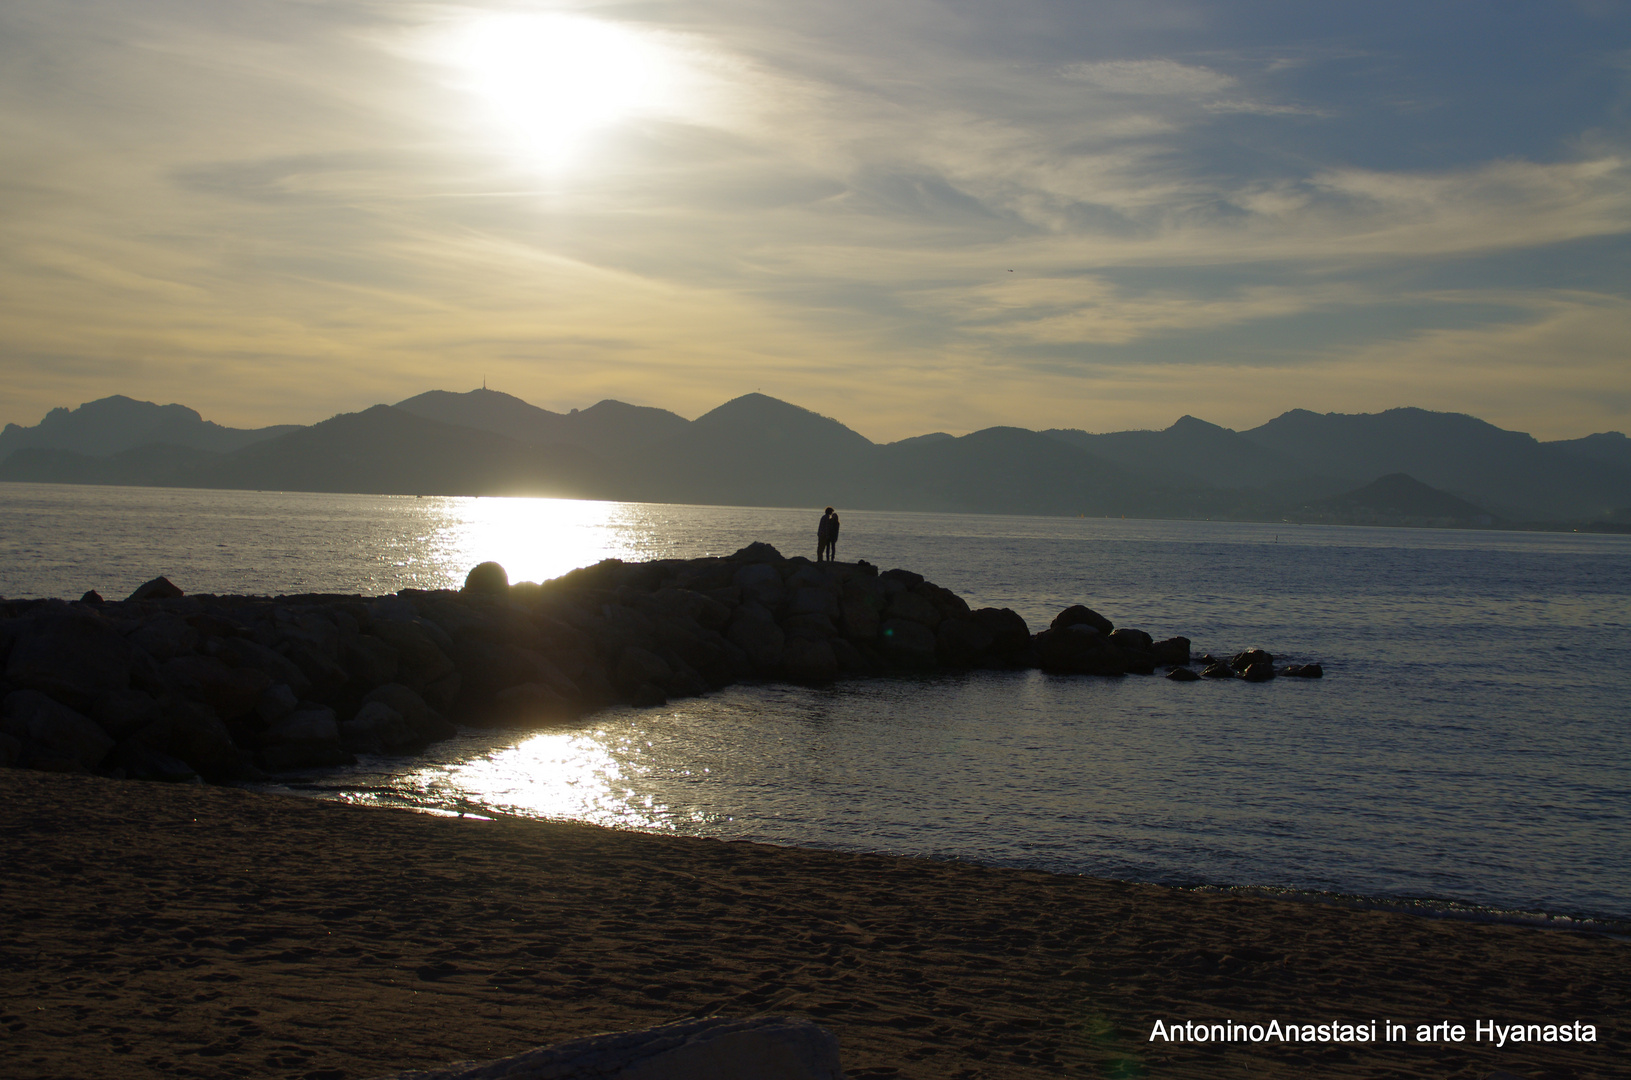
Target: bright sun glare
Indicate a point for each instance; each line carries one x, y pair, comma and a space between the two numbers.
551, 79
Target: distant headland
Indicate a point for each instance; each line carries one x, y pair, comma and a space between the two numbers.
1404, 466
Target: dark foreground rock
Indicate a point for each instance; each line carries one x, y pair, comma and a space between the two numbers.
222, 688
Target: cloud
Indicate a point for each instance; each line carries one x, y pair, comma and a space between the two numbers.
1162, 78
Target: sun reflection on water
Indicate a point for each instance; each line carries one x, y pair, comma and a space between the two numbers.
562, 775
534, 539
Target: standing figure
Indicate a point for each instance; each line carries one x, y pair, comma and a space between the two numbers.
827, 536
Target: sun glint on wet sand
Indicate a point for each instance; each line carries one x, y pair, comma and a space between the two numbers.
164, 931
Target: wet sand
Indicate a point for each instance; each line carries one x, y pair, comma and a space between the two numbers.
163, 931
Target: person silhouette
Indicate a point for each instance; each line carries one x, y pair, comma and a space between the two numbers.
827, 536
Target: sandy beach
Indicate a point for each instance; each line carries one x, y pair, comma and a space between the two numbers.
154, 930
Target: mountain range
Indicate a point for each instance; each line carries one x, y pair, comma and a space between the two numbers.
1402, 466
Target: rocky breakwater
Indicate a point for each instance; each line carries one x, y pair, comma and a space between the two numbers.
169, 686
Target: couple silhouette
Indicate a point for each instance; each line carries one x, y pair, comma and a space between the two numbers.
827, 537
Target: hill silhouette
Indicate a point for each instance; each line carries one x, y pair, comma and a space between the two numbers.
609, 428
1508, 471
1398, 499
1401, 466
753, 450
112, 425
1197, 451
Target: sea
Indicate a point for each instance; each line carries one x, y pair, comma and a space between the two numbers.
1468, 751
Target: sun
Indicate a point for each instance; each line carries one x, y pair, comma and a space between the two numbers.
552, 79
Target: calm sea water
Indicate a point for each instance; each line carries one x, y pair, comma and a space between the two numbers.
1471, 742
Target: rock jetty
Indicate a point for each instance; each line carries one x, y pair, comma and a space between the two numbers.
168, 686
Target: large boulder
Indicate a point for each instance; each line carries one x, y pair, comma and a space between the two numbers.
370, 661
486, 579
239, 652
1258, 672
1079, 649
421, 659
814, 626
758, 552
753, 629
231, 692
950, 604
962, 642
1078, 614
705, 611
53, 736
378, 729
1173, 650
707, 652
640, 675
160, 588
914, 608
122, 713
761, 583
306, 738
907, 643
191, 731
428, 724
322, 673
861, 604
810, 661
1010, 637
164, 637
1242, 660
813, 600
488, 668
1129, 640
71, 656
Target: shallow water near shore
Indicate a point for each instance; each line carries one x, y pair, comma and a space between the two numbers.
1469, 742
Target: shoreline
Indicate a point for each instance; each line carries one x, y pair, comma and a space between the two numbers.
1424, 907
163, 930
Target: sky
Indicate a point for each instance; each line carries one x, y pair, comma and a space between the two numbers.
912, 216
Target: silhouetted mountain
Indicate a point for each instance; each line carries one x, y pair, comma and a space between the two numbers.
1610, 446
756, 450
933, 436
1197, 451
1507, 471
387, 451
752, 451
1010, 470
1398, 499
609, 428
115, 424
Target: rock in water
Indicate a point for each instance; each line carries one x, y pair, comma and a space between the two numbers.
763, 1048
1078, 613
1182, 674
1241, 661
487, 578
